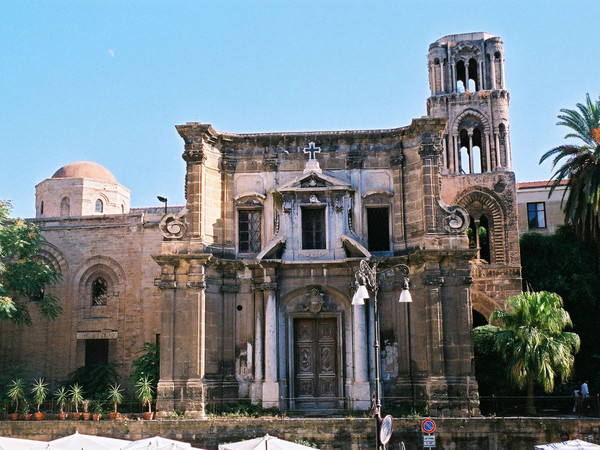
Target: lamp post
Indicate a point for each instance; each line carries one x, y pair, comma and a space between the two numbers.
164, 200
367, 277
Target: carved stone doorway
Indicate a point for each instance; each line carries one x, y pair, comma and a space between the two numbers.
316, 365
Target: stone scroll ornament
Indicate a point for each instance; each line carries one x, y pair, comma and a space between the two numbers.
172, 226
456, 219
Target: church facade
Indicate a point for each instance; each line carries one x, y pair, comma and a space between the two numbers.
249, 287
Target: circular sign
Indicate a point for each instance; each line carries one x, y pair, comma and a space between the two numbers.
385, 432
428, 426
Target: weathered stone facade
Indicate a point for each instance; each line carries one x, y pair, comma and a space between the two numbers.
249, 287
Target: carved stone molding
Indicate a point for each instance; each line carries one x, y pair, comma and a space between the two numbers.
194, 156
230, 288
267, 286
199, 285
229, 164
434, 280
172, 284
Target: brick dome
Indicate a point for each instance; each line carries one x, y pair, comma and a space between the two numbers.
85, 169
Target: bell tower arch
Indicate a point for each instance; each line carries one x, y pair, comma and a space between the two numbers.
466, 81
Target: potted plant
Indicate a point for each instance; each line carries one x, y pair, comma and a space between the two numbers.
144, 391
115, 395
76, 397
39, 390
97, 410
25, 408
86, 413
61, 396
16, 391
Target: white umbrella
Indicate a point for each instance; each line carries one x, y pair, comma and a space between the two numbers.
266, 442
80, 441
155, 443
568, 445
7, 443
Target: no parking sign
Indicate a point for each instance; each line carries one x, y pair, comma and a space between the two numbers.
428, 426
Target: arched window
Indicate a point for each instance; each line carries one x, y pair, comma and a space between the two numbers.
461, 77
65, 206
99, 292
99, 206
473, 78
41, 208
479, 237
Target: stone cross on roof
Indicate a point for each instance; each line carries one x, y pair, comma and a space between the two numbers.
312, 165
312, 150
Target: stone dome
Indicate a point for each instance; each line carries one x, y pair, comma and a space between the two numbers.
85, 169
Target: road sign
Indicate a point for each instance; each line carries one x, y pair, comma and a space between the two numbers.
428, 426
386, 429
428, 440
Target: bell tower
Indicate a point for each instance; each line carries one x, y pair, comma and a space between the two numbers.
466, 80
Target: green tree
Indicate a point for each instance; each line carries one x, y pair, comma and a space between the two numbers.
147, 364
532, 342
23, 274
581, 167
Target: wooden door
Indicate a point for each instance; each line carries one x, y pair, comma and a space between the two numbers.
316, 363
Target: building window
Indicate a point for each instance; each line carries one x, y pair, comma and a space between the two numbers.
249, 233
536, 215
65, 206
313, 228
99, 292
99, 206
378, 228
41, 208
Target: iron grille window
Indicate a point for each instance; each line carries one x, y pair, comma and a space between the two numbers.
249, 235
313, 228
99, 291
378, 228
536, 215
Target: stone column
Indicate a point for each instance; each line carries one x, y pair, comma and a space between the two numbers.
361, 391
195, 339
493, 71
256, 394
271, 383
470, 151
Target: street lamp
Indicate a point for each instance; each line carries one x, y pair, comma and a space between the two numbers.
367, 277
164, 200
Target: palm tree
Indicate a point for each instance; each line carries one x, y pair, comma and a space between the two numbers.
532, 342
581, 169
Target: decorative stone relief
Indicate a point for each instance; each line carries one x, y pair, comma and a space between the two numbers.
172, 227
456, 219
315, 303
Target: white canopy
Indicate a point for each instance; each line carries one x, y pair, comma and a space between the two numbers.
568, 445
80, 441
155, 443
7, 443
265, 443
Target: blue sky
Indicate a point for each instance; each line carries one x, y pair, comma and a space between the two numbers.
107, 81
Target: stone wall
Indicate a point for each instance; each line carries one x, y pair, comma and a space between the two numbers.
349, 433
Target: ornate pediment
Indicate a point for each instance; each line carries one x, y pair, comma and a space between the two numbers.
313, 181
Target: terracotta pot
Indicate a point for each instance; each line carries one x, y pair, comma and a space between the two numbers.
14, 416
63, 416
114, 416
96, 416
148, 415
86, 416
76, 416
28, 416
40, 415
